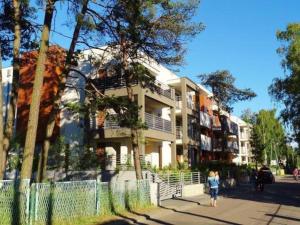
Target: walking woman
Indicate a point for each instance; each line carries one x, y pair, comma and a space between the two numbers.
213, 183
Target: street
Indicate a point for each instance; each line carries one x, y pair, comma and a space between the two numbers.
278, 204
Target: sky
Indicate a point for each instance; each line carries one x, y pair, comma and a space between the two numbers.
240, 36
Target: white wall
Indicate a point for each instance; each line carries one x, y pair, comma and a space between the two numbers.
70, 123
166, 153
7, 75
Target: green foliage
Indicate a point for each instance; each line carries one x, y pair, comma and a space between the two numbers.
28, 28
248, 116
224, 91
268, 137
287, 88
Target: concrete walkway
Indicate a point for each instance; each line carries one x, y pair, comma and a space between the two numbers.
279, 204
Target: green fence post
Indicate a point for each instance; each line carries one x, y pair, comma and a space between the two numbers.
32, 205
25, 186
98, 197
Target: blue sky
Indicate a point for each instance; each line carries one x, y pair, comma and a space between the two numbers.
240, 36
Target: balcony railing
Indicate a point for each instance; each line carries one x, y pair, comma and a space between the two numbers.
232, 145
243, 150
164, 90
216, 123
217, 144
233, 127
119, 82
111, 122
190, 104
205, 143
178, 102
158, 123
205, 120
193, 133
244, 135
178, 132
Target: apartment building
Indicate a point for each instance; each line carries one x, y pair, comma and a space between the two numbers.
187, 120
244, 155
183, 122
157, 144
182, 119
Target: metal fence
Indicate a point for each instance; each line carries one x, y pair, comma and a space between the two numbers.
44, 202
185, 178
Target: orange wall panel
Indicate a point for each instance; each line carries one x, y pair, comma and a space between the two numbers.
52, 75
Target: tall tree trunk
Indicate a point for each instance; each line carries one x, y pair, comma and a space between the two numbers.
9, 125
2, 161
130, 96
42, 169
135, 140
36, 94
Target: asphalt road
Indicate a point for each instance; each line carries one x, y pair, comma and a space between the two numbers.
278, 204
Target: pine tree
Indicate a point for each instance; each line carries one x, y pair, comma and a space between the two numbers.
36, 93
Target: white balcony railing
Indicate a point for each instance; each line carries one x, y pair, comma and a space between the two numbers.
205, 120
243, 150
244, 135
178, 132
164, 90
205, 143
158, 123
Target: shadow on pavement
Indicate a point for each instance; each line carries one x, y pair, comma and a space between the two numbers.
284, 217
187, 200
150, 218
283, 192
202, 216
115, 222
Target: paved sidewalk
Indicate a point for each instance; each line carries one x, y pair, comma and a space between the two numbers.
279, 204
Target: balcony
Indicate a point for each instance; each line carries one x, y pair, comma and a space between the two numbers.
178, 102
233, 128
243, 150
157, 123
205, 143
244, 135
232, 145
205, 120
178, 132
191, 105
114, 82
193, 133
216, 124
217, 144
111, 122
164, 90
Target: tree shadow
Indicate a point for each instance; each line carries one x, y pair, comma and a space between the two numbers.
114, 222
147, 217
201, 216
281, 193
284, 217
15, 216
188, 200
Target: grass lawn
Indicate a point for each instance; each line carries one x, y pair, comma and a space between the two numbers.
121, 218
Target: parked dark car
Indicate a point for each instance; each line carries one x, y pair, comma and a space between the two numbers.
267, 176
